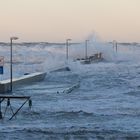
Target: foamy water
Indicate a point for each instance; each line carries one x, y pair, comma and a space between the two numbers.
105, 106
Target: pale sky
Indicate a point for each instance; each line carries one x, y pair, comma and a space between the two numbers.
56, 20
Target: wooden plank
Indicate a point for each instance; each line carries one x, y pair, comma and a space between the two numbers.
14, 97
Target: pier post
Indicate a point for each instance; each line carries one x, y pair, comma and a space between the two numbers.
0, 109
115, 45
67, 49
86, 43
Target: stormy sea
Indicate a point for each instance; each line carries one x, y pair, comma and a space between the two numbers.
104, 105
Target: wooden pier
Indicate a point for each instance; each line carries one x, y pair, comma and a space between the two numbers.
5, 86
8, 99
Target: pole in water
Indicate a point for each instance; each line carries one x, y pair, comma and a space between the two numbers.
30, 103
1, 115
0, 110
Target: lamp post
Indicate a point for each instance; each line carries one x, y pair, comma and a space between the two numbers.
67, 44
115, 45
11, 61
86, 43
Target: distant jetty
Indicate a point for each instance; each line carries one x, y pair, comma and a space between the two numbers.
97, 57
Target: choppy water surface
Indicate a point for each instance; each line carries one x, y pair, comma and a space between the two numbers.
105, 106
